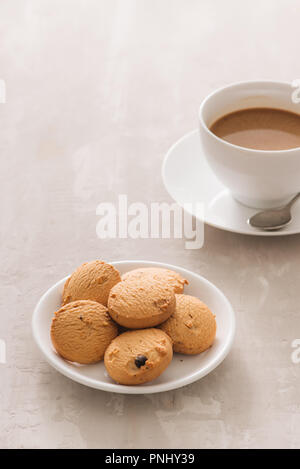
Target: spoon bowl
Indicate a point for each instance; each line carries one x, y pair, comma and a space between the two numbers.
275, 219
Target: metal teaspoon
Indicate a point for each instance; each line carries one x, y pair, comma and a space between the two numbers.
273, 219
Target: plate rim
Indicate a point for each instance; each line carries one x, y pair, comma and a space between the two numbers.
247, 231
140, 389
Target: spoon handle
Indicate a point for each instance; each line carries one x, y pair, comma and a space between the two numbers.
290, 203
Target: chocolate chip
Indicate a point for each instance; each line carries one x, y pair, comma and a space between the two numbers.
140, 361
81, 318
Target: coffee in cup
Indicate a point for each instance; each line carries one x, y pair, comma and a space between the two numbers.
260, 128
250, 136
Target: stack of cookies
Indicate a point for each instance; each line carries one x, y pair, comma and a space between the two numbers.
135, 322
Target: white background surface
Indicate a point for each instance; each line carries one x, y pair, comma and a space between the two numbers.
97, 91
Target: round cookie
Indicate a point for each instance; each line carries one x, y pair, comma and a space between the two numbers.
192, 327
82, 330
91, 281
137, 304
137, 357
162, 275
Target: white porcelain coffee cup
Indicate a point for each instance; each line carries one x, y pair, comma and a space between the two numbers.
256, 178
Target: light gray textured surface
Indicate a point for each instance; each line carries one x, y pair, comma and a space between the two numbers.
96, 93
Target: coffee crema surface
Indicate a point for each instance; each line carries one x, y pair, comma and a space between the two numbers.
260, 128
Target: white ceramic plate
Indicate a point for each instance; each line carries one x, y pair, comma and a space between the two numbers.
183, 369
188, 179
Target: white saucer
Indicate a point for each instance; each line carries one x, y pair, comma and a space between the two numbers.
188, 179
184, 369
